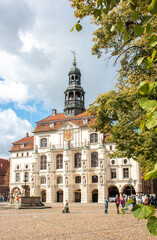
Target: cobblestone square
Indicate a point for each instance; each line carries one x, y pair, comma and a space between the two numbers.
85, 221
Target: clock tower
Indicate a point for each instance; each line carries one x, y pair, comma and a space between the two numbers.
74, 94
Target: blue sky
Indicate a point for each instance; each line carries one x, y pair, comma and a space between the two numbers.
35, 58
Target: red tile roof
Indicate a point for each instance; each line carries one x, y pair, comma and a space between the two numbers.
62, 116
27, 141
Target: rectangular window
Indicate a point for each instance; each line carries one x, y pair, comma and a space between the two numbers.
43, 180
113, 173
110, 148
17, 177
125, 172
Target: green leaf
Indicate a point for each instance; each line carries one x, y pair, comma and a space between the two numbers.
147, 104
139, 61
142, 124
143, 88
72, 28
113, 28
140, 211
96, 13
135, 15
139, 30
129, 201
149, 28
154, 44
152, 174
153, 7
120, 26
152, 40
78, 27
126, 35
153, 54
152, 225
151, 123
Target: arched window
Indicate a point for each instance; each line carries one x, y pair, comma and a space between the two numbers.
43, 162
78, 179
59, 161
94, 159
77, 163
43, 142
95, 179
43, 180
94, 138
59, 180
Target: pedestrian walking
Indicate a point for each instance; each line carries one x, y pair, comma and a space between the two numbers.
123, 203
117, 203
106, 203
66, 207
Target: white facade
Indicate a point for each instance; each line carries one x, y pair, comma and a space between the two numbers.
57, 184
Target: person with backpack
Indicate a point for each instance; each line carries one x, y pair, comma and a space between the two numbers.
117, 203
123, 203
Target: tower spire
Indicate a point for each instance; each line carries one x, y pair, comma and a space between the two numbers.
74, 54
74, 94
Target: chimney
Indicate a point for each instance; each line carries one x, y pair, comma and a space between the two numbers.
27, 134
54, 111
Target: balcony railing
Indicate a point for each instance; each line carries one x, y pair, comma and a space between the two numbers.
67, 146
72, 103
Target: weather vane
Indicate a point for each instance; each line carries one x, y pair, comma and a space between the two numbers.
74, 53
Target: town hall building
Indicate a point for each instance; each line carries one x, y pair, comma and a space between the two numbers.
66, 160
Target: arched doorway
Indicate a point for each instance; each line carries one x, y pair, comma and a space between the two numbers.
129, 190
60, 196
77, 195
43, 196
15, 191
113, 191
95, 195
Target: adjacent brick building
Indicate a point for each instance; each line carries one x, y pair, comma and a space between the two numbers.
4, 177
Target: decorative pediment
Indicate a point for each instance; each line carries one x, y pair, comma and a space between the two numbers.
68, 126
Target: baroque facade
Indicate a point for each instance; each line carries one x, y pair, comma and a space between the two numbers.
66, 160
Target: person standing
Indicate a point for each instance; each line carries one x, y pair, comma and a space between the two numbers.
117, 203
17, 199
106, 203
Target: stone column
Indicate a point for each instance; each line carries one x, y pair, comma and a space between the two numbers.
101, 176
84, 177
49, 195
66, 156
34, 188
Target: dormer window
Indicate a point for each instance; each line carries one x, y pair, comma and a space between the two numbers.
85, 121
52, 125
43, 142
23, 145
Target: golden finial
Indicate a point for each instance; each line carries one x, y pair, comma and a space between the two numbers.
74, 53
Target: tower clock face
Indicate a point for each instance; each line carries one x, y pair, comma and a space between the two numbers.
68, 135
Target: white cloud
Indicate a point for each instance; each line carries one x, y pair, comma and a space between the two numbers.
12, 128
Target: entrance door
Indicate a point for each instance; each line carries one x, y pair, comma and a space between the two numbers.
43, 196
60, 196
78, 196
95, 196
